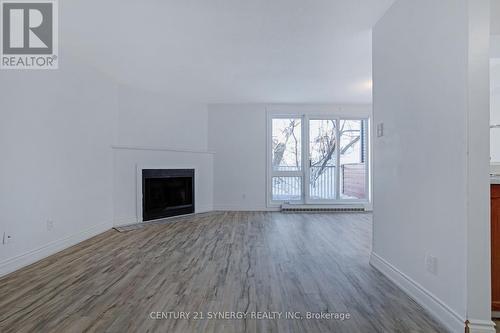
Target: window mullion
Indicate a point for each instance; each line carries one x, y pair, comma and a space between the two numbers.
337, 162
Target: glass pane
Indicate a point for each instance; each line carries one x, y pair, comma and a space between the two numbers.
287, 144
322, 159
287, 188
353, 152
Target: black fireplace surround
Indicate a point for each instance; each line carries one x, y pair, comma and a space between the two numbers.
167, 192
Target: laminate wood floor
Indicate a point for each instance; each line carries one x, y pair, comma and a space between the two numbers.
252, 263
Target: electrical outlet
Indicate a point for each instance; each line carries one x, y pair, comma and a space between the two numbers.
6, 239
50, 225
380, 130
431, 264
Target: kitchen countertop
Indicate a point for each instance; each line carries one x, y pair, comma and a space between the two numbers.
495, 179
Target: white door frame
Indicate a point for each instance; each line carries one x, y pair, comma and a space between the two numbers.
307, 166
304, 173
272, 173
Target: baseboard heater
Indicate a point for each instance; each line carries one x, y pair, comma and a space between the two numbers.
288, 208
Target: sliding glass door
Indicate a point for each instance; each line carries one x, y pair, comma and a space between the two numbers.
318, 159
322, 160
286, 160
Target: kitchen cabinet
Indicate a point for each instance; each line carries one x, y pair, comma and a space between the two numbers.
495, 246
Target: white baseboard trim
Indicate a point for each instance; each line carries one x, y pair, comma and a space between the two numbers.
124, 221
434, 306
236, 208
203, 209
12, 264
481, 326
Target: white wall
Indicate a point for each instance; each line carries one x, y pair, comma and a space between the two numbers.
430, 89
153, 130
495, 108
56, 129
158, 119
237, 133
478, 165
495, 17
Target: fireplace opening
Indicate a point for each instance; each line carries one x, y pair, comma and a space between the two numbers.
166, 193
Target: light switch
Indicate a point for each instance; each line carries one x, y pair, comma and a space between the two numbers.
380, 130
431, 264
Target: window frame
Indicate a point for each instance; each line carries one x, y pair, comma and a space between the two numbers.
271, 173
304, 173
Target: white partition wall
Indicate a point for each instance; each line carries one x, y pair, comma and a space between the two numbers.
431, 161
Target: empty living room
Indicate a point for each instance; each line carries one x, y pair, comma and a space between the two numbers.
250, 166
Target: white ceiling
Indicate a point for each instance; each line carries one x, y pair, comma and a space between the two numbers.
230, 50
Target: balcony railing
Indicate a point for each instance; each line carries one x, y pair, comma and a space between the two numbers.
322, 183
287, 188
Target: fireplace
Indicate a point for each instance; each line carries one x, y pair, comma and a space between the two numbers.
167, 192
